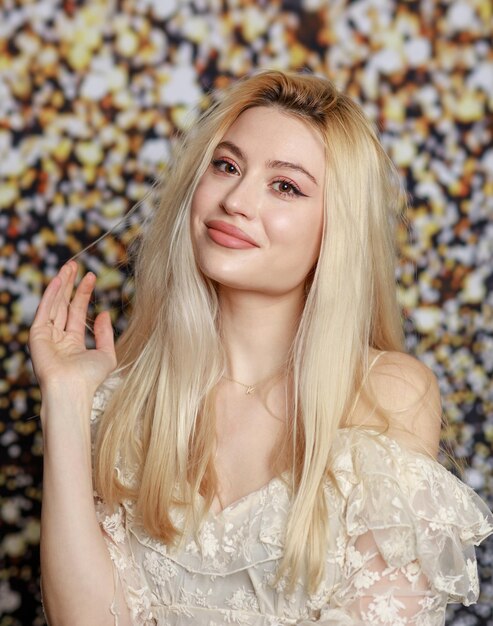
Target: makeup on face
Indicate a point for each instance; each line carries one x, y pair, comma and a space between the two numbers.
257, 213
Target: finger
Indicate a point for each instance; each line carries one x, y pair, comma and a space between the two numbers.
103, 334
46, 303
67, 293
77, 315
61, 305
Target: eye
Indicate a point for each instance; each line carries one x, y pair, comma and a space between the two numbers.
223, 165
286, 188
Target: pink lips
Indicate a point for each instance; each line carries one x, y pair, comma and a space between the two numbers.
229, 236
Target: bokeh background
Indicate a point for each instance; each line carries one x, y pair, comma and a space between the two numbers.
92, 95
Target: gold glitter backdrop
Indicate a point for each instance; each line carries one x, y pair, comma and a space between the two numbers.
91, 94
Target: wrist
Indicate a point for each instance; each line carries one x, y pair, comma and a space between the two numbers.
67, 402
59, 390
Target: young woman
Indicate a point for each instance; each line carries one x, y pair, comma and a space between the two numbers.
264, 451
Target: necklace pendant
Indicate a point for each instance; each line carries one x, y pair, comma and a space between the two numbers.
249, 390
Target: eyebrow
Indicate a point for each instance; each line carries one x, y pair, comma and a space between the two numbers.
270, 164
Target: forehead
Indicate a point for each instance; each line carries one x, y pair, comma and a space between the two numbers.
275, 134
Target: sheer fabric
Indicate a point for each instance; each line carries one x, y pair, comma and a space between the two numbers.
402, 531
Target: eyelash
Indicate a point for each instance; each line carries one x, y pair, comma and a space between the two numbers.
295, 191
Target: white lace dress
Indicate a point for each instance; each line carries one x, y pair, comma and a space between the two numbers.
403, 532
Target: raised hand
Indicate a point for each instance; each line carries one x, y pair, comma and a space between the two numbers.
57, 337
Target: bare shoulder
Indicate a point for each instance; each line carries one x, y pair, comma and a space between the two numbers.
402, 392
400, 378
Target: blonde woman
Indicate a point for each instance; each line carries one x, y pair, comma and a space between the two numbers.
264, 450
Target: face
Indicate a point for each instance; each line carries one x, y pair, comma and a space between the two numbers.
257, 213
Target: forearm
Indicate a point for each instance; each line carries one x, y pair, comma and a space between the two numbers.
76, 569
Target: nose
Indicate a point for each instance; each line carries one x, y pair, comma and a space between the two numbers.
242, 198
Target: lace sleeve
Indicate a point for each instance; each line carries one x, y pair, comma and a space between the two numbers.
411, 527
130, 584
131, 605
377, 593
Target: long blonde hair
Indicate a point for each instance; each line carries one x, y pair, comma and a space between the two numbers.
161, 419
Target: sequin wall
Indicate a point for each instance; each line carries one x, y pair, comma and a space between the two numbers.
90, 95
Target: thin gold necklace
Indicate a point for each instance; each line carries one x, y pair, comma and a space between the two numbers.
250, 389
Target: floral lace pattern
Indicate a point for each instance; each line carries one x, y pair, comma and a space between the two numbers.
402, 528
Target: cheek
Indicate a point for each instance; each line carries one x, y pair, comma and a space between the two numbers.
197, 214
203, 192
197, 200
303, 233
200, 209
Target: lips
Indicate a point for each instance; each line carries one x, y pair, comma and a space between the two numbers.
228, 235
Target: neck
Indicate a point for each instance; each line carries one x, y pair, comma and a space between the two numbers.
257, 331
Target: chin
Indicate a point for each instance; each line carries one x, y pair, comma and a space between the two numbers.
229, 281
230, 272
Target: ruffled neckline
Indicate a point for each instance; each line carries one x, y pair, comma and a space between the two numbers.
416, 511
281, 479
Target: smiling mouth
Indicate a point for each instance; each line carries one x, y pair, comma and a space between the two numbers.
229, 236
